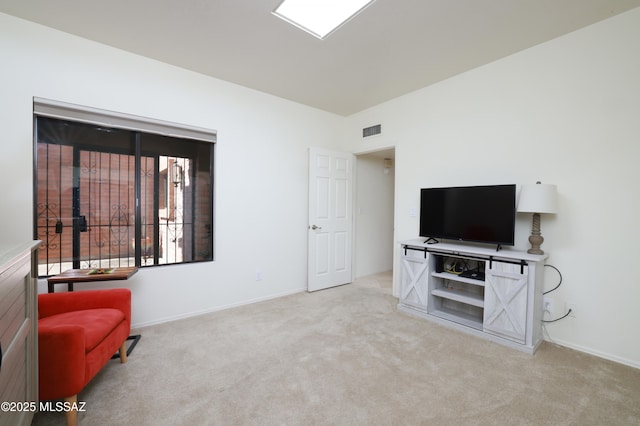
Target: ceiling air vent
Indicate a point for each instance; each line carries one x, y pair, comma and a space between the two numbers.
372, 131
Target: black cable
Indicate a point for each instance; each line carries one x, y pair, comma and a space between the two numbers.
556, 287
558, 319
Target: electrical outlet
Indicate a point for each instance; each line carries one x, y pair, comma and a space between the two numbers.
571, 307
258, 275
547, 305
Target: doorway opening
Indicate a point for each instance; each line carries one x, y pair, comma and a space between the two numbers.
374, 212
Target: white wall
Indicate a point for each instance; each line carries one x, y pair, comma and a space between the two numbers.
261, 162
374, 216
564, 112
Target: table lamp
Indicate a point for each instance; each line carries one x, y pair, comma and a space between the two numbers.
537, 199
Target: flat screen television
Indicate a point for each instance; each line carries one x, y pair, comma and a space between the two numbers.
484, 214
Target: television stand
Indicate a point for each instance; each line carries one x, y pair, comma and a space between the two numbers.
494, 295
431, 240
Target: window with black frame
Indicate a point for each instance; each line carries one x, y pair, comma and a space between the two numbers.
113, 197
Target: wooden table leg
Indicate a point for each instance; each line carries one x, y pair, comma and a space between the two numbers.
72, 413
123, 352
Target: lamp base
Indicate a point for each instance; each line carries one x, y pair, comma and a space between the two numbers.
536, 241
535, 238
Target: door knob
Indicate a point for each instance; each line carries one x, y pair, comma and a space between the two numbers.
314, 227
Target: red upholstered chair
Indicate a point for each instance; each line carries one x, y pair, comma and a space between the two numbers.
78, 333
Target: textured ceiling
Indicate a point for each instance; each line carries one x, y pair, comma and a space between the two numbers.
392, 48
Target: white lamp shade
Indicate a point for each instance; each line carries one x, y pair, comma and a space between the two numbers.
538, 198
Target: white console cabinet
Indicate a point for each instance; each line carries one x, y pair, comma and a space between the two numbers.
18, 333
489, 293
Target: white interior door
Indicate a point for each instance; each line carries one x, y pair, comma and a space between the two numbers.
330, 218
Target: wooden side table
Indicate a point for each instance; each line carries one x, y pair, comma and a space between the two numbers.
72, 276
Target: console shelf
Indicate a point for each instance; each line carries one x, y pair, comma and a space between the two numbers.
449, 276
458, 317
459, 296
503, 303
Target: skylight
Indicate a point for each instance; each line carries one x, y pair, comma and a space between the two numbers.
319, 17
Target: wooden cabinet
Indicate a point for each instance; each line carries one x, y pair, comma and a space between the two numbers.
493, 294
18, 333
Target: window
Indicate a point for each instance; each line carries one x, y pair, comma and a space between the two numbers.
319, 18
108, 196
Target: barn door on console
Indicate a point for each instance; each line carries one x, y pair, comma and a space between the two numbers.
414, 281
505, 301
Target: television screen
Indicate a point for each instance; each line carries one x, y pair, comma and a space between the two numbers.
484, 214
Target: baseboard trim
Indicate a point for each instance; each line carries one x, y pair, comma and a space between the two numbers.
590, 351
216, 309
599, 354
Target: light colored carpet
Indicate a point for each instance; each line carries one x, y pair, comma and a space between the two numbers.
346, 356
